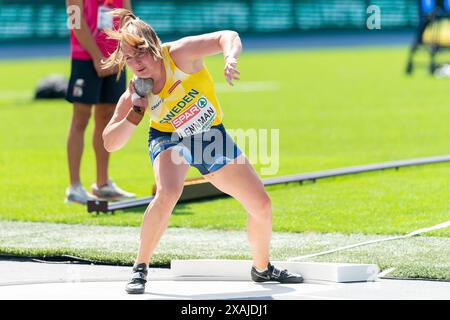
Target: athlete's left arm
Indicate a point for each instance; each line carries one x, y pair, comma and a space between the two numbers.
190, 51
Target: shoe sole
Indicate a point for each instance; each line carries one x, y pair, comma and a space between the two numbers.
259, 280
275, 281
135, 291
293, 282
262, 280
74, 201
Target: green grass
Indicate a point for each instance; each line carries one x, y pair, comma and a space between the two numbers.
375, 203
418, 257
333, 108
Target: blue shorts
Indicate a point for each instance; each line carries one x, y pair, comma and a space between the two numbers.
207, 151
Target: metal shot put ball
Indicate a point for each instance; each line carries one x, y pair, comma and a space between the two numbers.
142, 88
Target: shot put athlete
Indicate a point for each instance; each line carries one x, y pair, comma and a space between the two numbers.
184, 114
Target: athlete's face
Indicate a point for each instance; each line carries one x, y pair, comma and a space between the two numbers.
140, 62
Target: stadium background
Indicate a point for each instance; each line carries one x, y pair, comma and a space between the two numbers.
46, 20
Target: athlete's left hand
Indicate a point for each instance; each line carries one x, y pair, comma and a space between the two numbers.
230, 71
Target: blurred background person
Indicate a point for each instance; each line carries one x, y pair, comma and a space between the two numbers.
90, 86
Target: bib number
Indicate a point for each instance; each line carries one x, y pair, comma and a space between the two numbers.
197, 118
104, 20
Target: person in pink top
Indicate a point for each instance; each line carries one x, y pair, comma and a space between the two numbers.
89, 86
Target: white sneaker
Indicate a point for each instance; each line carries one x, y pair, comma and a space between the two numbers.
111, 192
78, 194
443, 71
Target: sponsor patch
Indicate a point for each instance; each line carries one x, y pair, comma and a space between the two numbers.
195, 119
156, 105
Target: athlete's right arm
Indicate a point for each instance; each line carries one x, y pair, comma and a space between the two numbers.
85, 38
124, 121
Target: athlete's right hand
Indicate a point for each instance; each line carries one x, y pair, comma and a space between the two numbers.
136, 100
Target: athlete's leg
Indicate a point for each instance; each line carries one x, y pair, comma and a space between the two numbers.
240, 180
169, 177
102, 115
75, 140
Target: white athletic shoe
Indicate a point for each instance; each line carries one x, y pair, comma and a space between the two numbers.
111, 192
443, 71
78, 194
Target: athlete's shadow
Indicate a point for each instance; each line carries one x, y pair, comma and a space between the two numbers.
266, 293
182, 209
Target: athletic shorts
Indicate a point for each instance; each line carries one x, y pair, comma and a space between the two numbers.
207, 151
85, 86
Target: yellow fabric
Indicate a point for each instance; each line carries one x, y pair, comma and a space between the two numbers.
184, 96
437, 33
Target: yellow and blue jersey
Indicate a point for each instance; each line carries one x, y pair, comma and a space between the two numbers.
187, 103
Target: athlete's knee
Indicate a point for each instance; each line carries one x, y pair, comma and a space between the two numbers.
103, 114
168, 196
266, 205
262, 207
80, 121
79, 126
102, 121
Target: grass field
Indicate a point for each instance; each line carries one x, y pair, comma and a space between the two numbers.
419, 257
334, 108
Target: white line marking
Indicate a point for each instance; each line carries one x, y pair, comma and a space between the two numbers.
411, 234
385, 272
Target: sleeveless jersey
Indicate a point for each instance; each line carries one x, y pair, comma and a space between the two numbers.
187, 103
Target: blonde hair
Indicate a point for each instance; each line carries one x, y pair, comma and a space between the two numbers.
134, 32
